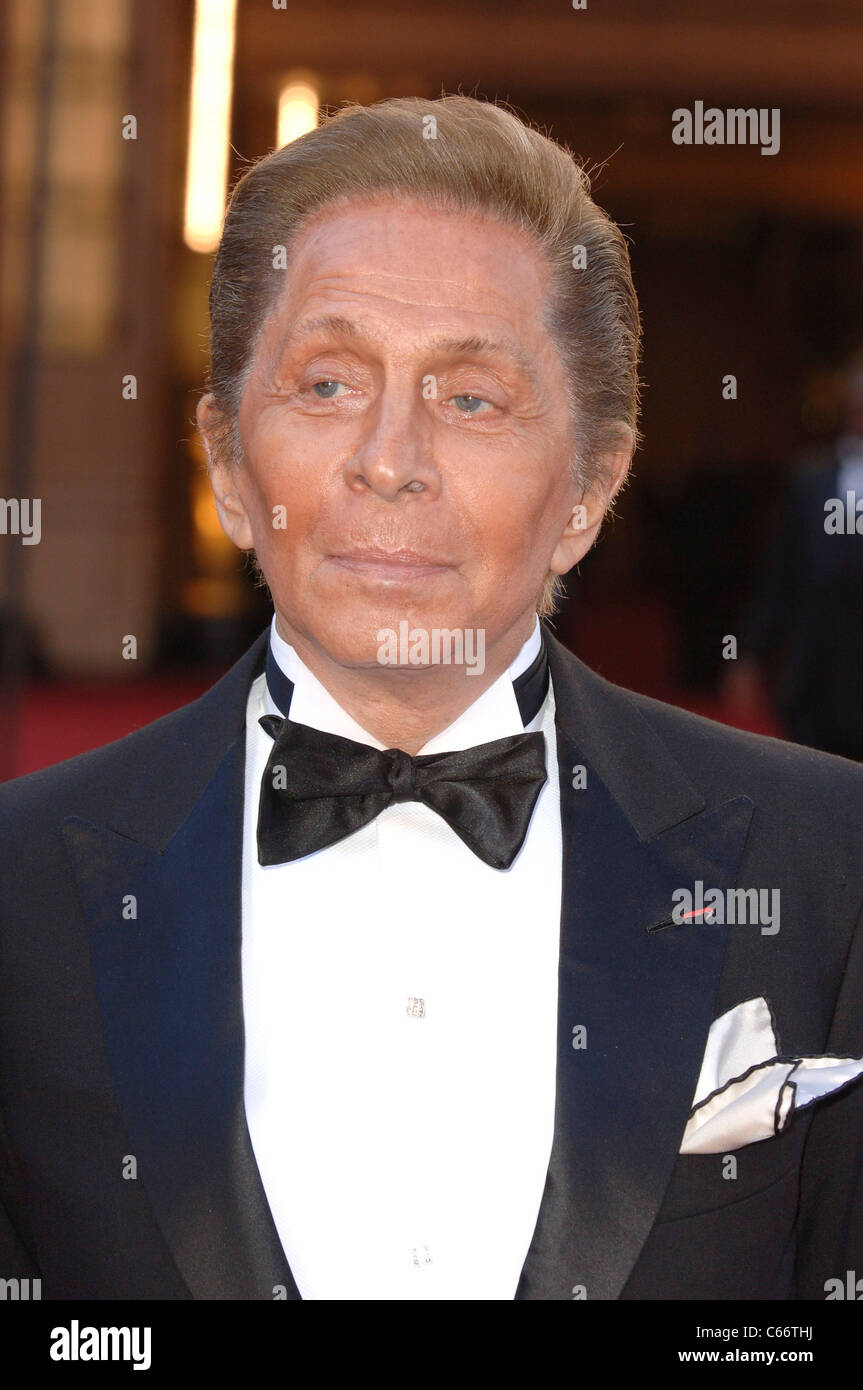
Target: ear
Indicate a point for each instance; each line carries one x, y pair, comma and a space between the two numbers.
582, 527
225, 481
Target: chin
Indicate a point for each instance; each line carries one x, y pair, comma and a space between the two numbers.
346, 642
354, 633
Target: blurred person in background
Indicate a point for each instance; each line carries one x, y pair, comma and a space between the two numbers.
802, 643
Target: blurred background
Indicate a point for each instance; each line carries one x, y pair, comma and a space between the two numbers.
124, 124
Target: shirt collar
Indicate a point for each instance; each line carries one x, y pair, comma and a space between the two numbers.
494, 714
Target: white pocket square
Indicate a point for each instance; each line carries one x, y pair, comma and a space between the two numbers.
747, 1090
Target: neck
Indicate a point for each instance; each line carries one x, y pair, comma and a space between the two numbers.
404, 707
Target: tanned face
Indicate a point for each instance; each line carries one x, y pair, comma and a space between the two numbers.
407, 428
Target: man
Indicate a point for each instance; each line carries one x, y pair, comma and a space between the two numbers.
414, 960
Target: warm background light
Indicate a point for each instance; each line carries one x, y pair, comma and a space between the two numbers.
299, 101
209, 122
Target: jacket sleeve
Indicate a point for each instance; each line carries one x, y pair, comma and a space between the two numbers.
830, 1217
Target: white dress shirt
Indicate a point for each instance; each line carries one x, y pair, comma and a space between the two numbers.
400, 1003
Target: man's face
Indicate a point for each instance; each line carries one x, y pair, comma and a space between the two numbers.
406, 433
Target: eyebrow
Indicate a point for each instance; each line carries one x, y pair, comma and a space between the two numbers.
340, 326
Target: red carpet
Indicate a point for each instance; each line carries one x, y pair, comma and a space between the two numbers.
58, 719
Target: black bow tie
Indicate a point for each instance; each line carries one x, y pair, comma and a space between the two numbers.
318, 788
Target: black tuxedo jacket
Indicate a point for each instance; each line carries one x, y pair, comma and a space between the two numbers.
127, 1168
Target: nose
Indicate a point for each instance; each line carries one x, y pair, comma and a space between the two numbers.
395, 452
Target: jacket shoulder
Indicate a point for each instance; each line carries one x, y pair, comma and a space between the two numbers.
717, 759
715, 750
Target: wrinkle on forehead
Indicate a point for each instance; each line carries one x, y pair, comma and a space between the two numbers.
354, 243
363, 285
361, 316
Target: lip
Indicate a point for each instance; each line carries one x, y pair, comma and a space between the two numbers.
397, 564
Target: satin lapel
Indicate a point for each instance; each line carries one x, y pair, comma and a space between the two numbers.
635, 1004
169, 980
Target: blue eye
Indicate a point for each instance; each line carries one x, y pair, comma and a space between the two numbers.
326, 389
469, 405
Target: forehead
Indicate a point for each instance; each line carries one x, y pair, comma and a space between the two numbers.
404, 264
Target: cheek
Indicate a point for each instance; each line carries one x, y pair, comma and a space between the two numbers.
282, 497
511, 509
